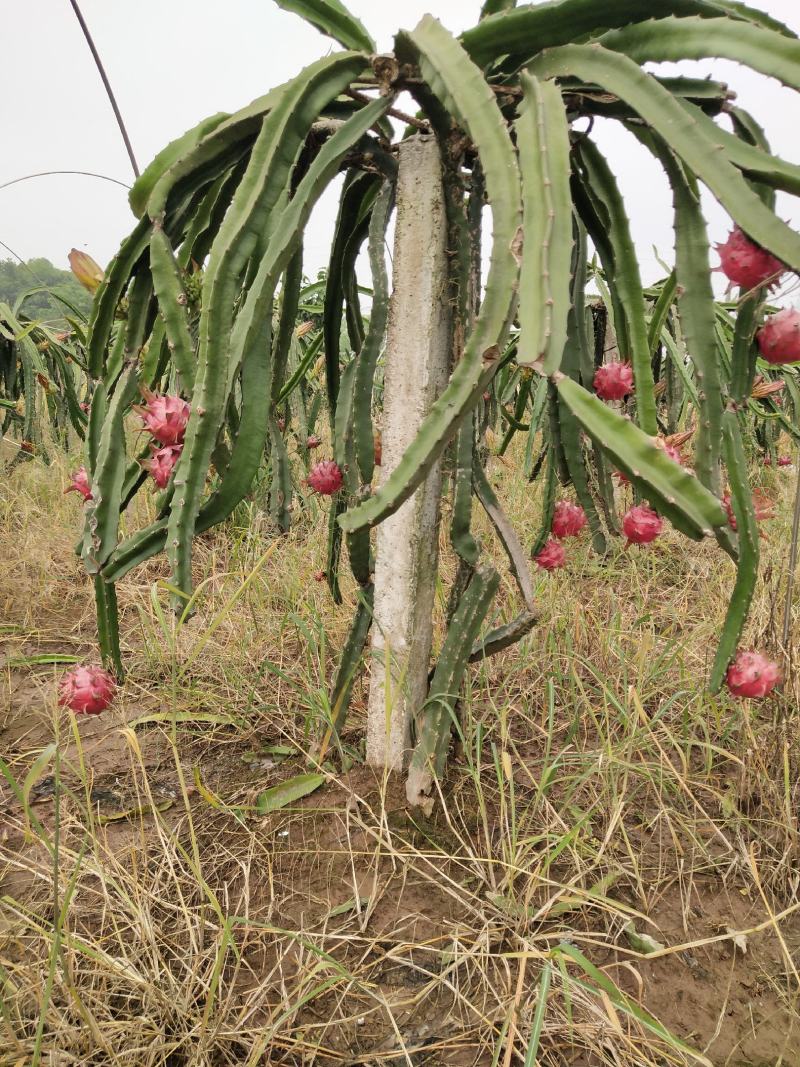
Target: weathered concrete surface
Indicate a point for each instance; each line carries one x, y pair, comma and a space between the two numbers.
417, 363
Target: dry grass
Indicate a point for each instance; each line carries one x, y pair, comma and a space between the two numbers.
598, 795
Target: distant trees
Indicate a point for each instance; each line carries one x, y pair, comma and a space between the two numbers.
17, 278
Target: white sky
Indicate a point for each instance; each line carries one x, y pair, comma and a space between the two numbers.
173, 62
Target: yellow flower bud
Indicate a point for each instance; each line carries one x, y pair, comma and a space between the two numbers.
88, 273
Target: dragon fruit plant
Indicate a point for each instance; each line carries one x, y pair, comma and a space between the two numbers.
507, 102
42, 381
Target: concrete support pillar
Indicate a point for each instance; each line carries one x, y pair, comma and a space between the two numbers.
416, 370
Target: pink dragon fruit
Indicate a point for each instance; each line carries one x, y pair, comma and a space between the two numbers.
784, 461
568, 519
779, 337
325, 478
670, 450
86, 690
79, 483
613, 381
313, 441
165, 417
641, 525
752, 675
747, 264
553, 555
162, 463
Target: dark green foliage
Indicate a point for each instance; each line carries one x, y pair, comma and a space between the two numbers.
258, 352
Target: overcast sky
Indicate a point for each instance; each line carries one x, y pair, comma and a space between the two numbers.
173, 62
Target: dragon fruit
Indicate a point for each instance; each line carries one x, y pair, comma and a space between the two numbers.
752, 675
613, 381
86, 690
641, 525
162, 463
312, 441
568, 519
747, 264
165, 417
784, 461
669, 450
325, 478
779, 337
320, 576
79, 483
762, 506
553, 555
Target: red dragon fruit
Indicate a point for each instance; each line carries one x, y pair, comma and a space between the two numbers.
784, 461
779, 337
553, 555
325, 478
568, 519
613, 381
165, 417
762, 505
162, 463
313, 441
752, 675
86, 690
79, 483
747, 264
641, 525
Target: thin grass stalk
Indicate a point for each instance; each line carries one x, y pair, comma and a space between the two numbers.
793, 549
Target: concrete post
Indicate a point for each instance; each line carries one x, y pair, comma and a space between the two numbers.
416, 370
